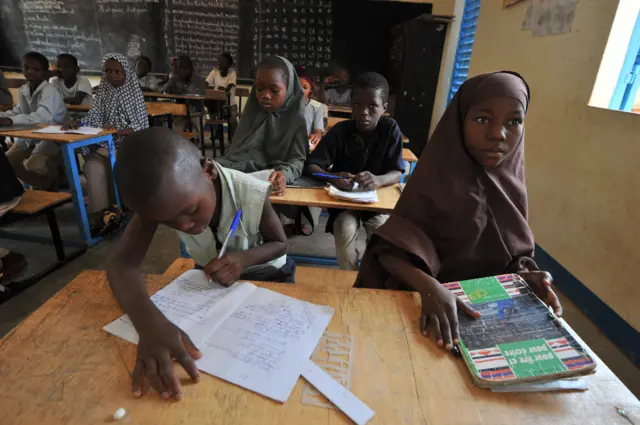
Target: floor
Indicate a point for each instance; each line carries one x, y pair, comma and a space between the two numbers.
165, 249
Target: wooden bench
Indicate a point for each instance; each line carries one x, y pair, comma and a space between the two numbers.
33, 203
308, 276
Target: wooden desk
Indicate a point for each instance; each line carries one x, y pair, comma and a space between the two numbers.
317, 197
60, 367
68, 144
154, 109
34, 201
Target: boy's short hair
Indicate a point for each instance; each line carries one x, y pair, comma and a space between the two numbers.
153, 160
274, 62
229, 57
372, 80
69, 57
144, 59
44, 62
185, 59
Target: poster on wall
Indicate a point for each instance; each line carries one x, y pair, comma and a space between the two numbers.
549, 17
508, 3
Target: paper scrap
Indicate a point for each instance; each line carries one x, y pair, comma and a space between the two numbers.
344, 400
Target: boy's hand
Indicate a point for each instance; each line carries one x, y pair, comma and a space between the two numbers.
345, 183
440, 314
367, 181
158, 345
6, 121
226, 270
314, 139
540, 282
278, 183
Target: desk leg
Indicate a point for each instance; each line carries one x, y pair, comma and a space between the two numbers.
170, 121
112, 161
73, 177
412, 166
55, 234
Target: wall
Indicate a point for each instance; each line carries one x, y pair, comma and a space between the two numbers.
581, 161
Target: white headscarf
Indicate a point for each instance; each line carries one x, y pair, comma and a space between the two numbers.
120, 107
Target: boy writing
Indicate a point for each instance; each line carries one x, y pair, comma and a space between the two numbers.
74, 89
366, 150
35, 162
165, 180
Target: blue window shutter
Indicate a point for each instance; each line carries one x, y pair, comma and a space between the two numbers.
465, 45
625, 92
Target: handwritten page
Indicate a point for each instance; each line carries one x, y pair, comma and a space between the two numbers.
56, 129
363, 197
252, 337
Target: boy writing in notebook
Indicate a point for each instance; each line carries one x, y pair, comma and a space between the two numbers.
165, 180
366, 150
35, 162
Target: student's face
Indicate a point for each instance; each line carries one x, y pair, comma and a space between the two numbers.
66, 69
33, 71
306, 88
114, 73
142, 68
271, 88
342, 76
190, 209
184, 70
367, 106
492, 129
223, 63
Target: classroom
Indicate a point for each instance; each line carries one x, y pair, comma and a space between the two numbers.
318, 212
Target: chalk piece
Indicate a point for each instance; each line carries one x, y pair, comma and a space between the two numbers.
119, 414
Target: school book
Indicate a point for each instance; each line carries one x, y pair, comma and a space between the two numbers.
362, 197
517, 339
252, 337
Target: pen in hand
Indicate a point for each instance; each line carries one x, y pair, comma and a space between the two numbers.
232, 231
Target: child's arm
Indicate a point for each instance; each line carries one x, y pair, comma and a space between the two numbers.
50, 103
228, 269
160, 340
392, 162
293, 165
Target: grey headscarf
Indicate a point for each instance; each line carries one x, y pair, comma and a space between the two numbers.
277, 140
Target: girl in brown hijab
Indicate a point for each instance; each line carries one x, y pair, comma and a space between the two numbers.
463, 214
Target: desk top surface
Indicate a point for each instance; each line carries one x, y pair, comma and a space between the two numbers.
58, 138
319, 197
60, 367
153, 108
173, 96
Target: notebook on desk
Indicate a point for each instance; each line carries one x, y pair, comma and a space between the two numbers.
18, 127
517, 339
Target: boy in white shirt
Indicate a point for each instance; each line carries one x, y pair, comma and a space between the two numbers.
75, 89
147, 81
35, 162
225, 78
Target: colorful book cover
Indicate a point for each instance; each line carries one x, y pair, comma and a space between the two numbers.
517, 339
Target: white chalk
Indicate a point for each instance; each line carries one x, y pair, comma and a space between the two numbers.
119, 414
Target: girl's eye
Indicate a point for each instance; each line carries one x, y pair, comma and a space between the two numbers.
515, 121
482, 120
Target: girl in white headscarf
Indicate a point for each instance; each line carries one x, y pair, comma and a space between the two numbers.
119, 104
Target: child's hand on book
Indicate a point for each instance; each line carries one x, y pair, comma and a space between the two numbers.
346, 183
440, 314
158, 345
367, 181
540, 283
226, 270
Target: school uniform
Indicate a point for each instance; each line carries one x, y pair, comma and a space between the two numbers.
314, 116
34, 161
216, 80
82, 84
333, 97
239, 191
344, 149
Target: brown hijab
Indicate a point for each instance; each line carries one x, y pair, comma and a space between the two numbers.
455, 219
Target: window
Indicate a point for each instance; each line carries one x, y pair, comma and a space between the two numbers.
626, 91
465, 45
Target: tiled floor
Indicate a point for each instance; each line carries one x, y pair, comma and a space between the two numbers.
165, 249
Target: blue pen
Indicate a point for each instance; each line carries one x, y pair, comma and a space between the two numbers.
329, 176
232, 231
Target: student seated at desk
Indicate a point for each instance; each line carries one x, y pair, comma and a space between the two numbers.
186, 81
165, 180
314, 113
118, 105
35, 162
74, 89
340, 95
272, 133
366, 150
147, 81
223, 77
6, 98
463, 214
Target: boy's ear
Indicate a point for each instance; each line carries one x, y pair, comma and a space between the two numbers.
209, 169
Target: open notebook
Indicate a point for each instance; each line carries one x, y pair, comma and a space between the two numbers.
362, 197
250, 336
56, 129
517, 339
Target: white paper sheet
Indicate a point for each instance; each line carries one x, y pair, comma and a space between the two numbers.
56, 129
342, 398
252, 337
365, 197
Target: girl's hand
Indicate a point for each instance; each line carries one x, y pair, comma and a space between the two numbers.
314, 139
440, 314
540, 283
278, 183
